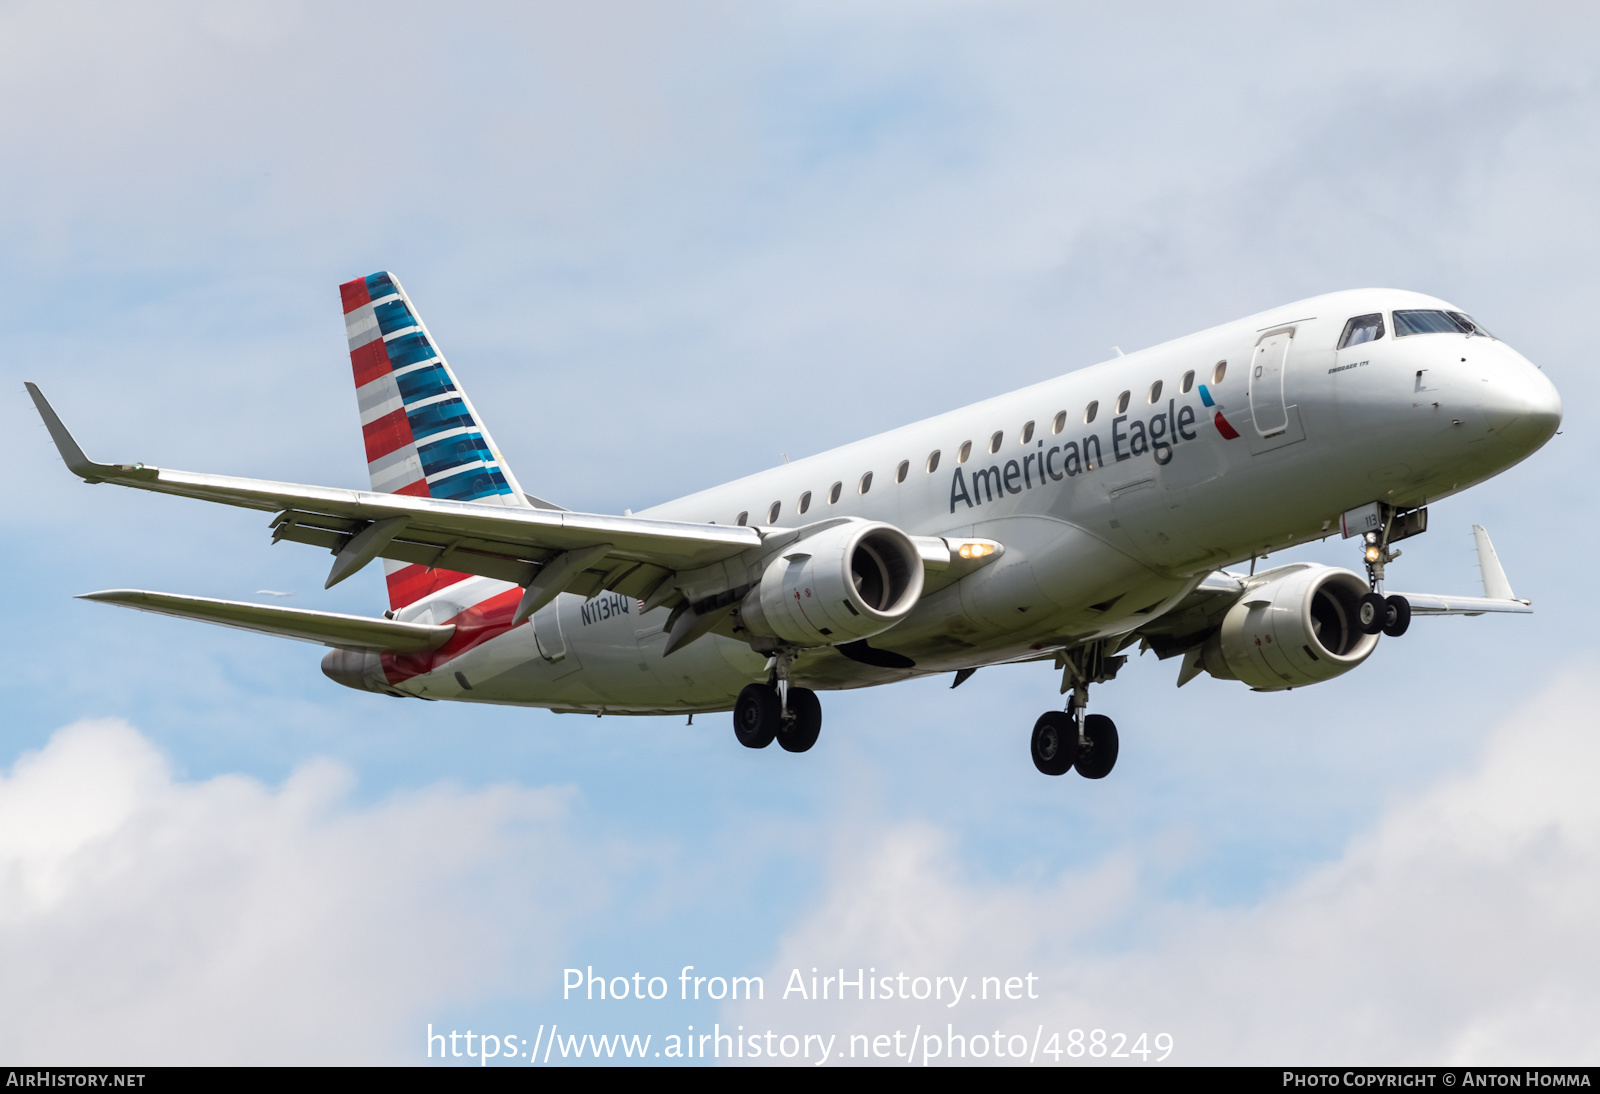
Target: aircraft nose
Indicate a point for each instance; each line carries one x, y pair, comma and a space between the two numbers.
1524, 408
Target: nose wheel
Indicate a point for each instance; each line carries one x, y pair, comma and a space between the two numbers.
1390, 615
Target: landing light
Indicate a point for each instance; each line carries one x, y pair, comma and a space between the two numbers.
975, 550
1372, 554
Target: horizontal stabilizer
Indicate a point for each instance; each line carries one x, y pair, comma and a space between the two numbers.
345, 632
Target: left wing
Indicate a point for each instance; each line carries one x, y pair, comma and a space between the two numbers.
590, 552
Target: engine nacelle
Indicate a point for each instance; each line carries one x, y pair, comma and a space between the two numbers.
1296, 628
845, 583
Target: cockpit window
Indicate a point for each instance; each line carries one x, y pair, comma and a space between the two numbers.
1436, 322
1469, 324
1363, 328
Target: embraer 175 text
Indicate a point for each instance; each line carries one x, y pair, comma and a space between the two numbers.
1060, 523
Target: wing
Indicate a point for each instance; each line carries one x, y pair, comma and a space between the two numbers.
588, 552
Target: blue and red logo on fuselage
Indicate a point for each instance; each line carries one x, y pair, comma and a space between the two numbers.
1228, 432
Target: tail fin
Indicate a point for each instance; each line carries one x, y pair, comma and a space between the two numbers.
422, 435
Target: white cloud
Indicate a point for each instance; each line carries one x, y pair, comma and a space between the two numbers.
149, 919
1459, 929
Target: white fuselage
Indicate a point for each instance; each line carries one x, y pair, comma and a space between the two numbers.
1105, 522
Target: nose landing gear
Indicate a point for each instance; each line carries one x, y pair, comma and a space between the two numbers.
1389, 614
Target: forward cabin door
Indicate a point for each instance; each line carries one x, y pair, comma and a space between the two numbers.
1267, 370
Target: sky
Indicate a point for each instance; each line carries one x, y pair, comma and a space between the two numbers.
663, 246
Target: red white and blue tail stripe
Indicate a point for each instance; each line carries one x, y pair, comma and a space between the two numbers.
422, 435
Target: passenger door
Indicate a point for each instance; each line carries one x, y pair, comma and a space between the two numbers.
1267, 368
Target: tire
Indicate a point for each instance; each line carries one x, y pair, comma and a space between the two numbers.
805, 721
1097, 760
1055, 743
1398, 617
1371, 613
756, 716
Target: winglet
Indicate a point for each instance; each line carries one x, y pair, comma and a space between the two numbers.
1495, 585
71, 454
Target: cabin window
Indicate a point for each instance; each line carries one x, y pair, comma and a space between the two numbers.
1090, 411
742, 519
1122, 402
1365, 328
933, 461
1219, 372
833, 493
1060, 423
965, 453
866, 483
773, 511
805, 503
994, 441
1155, 391
902, 471
1027, 433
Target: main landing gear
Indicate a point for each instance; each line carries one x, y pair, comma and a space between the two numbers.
777, 711
1063, 740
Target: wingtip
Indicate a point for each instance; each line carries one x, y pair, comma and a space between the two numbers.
71, 453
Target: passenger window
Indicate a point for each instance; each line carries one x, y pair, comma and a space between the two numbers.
1090, 411
1060, 423
805, 502
866, 483
1188, 381
742, 519
1219, 372
1027, 433
994, 441
834, 492
772, 513
1366, 328
902, 471
965, 453
1155, 391
1122, 402
933, 461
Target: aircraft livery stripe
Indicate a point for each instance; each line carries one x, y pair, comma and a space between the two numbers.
410, 582
369, 362
354, 294
474, 626
386, 435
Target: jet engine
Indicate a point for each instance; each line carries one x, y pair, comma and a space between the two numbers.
1297, 627
845, 583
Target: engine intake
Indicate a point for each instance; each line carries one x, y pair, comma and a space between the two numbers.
845, 583
1297, 627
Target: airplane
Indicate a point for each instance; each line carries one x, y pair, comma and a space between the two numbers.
1061, 523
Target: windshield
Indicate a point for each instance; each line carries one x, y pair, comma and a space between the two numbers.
1430, 321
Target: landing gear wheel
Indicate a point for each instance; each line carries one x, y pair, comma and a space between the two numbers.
1055, 743
757, 716
1372, 613
1099, 754
1397, 616
799, 733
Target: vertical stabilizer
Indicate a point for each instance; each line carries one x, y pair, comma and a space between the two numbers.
422, 435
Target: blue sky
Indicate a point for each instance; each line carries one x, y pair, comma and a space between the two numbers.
663, 245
